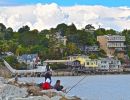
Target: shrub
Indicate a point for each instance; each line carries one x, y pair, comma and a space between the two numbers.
56, 66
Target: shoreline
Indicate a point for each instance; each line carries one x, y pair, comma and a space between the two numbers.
68, 73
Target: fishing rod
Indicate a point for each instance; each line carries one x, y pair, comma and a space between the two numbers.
76, 84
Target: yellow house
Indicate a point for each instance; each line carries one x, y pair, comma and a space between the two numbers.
85, 61
79, 58
91, 63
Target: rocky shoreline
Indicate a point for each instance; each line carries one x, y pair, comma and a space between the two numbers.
11, 90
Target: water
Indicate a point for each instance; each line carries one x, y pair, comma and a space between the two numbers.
98, 87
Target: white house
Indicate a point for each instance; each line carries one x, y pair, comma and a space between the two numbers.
30, 59
109, 64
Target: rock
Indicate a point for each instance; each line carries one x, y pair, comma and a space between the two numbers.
34, 90
3, 81
7, 90
56, 98
33, 98
52, 93
10, 90
70, 98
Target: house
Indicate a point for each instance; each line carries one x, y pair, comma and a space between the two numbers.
29, 59
7, 53
113, 45
58, 37
102, 63
80, 58
91, 63
61, 39
85, 61
109, 64
89, 49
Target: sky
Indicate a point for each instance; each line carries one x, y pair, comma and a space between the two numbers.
109, 3
45, 14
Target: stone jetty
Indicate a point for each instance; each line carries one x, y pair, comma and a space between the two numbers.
11, 90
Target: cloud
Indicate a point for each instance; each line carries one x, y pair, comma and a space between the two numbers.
45, 16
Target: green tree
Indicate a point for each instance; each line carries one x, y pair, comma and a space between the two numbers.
93, 56
62, 28
2, 30
20, 50
86, 38
8, 33
100, 31
71, 30
25, 28
89, 27
102, 53
72, 49
2, 27
111, 31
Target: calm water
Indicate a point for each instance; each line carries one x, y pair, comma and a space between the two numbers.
99, 87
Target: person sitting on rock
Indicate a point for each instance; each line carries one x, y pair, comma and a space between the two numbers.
46, 85
57, 86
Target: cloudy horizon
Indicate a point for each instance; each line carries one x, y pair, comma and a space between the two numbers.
44, 16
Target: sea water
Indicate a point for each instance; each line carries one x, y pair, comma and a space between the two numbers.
96, 87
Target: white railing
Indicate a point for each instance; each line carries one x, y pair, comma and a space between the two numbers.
41, 70
9, 67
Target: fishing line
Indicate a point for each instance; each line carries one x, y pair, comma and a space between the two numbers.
76, 84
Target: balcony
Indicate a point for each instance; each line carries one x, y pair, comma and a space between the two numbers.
119, 50
116, 38
116, 45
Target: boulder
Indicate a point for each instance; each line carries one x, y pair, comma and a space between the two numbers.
7, 90
56, 98
70, 98
3, 81
52, 93
33, 98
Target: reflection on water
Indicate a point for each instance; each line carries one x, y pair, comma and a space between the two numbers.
99, 87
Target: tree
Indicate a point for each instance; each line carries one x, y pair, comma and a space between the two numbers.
100, 31
8, 33
72, 49
4, 46
93, 56
2, 27
2, 30
71, 30
86, 38
62, 28
102, 53
12, 45
89, 27
126, 33
111, 31
12, 60
9, 29
24, 29
29, 38
20, 50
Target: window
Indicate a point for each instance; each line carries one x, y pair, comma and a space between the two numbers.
87, 63
96, 62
